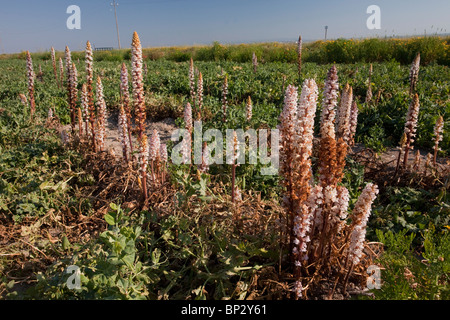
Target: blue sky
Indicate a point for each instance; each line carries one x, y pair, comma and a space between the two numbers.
38, 25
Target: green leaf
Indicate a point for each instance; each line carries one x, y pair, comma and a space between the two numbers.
65, 243
156, 254
110, 219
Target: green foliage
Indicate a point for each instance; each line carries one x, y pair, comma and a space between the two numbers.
179, 257
109, 267
34, 172
406, 208
433, 49
409, 275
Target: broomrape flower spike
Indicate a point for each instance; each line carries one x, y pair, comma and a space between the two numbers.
299, 57
90, 93
414, 74
73, 92
329, 104
248, 109
254, 62
52, 53
163, 152
224, 98
123, 133
199, 96
300, 176
192, 81
328, 145
343, 124
137, 82
353, 123
61, 73
102, 116
85, 108
343, 198
68, 61
186, 150
154, 153
154, 146
410, 127
360, 216
206, 159
438, 129
233, 166
316, 216
416, 164
139, 105
143, 163
298, 288
30, 75
69, 84
126, 101
23, 99
288, 119
303, 142
80, 121
188, 117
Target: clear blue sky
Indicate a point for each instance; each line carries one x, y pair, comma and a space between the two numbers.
38, 25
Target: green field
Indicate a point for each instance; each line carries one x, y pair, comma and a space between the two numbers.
64, 205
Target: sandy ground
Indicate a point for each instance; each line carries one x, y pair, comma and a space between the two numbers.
390, 157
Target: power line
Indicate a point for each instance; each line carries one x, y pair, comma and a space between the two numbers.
117, 24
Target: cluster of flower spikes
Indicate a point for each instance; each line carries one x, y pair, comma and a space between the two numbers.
317, 212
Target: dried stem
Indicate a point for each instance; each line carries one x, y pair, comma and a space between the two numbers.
254, 62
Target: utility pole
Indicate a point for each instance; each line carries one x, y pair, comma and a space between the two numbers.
117, 25
326, 30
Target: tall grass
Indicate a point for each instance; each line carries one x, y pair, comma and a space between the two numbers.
433, 49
